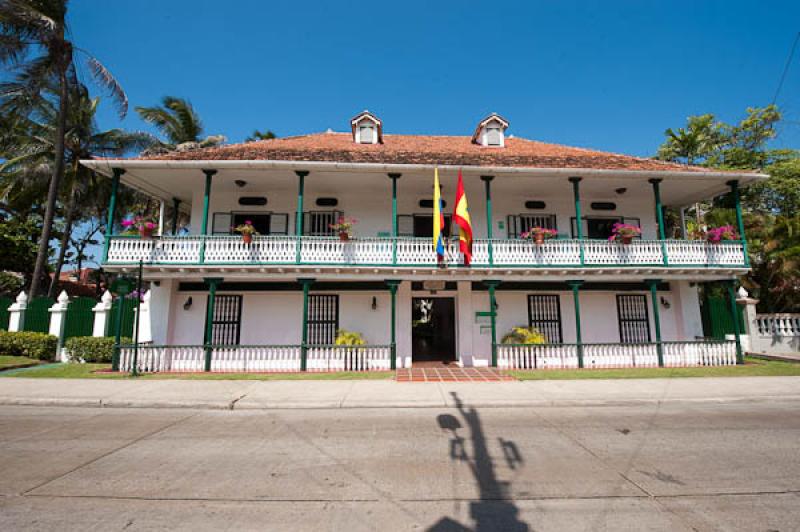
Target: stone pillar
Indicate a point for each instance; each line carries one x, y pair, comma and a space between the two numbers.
102, 314
404, 325
145, 323
58, 317
159, 304
750, 338
466, 319
16, 317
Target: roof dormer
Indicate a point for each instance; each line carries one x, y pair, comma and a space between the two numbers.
367, 128
491, 131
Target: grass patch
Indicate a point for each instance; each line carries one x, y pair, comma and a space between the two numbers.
752, 367
7, 361
96, 371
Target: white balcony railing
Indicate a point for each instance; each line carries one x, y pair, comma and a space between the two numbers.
265, 250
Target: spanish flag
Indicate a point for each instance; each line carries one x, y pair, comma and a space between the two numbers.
438, 218
461, 218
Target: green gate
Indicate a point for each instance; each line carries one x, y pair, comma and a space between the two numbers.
5, 302
717, 320
37, 315
128, 312
80, 318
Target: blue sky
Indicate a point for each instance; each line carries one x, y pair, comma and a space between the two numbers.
607, 75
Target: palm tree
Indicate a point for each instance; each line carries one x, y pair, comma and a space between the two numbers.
179, 123
31, 153
33, 41
261, 135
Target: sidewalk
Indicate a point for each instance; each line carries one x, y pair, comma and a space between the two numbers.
241, 395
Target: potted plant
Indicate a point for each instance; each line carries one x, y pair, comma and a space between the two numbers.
247, 231
718, 234
524, 336
624, 233
539, 234
344, 226
139, 224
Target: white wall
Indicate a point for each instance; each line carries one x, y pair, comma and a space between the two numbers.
367, 197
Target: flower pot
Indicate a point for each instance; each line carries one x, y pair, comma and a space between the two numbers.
539, 239
247, 238
145, 232
344, 236
626, 240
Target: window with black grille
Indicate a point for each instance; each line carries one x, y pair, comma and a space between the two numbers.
323, 319
227, 320
544, 313
634, 322
318, 223
521, 223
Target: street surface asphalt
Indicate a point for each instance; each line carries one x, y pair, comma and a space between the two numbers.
683, 466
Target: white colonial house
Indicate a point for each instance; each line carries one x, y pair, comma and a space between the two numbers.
218, 303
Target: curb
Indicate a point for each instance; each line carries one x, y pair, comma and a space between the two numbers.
328, 405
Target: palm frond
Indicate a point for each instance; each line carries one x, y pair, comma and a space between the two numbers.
103, 77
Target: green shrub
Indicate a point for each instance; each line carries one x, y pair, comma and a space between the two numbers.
28, 344
523, 336
92, 349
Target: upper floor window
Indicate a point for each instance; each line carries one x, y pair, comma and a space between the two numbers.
367, 128
494, 136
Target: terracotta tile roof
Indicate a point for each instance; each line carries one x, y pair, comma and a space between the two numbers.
425, 149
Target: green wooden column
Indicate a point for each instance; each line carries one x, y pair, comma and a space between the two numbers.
487, 180
394, 177
739, 219
176, 203
662, 234
576, 194
576, 300
122, 286
212, 283
304, 333
735, 315
492, 286
393, 284
298, 222
112, 207
653, 285
204, 221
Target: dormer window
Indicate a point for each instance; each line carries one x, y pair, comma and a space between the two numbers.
491, 131
367, 129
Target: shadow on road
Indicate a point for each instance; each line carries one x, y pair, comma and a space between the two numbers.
494, 510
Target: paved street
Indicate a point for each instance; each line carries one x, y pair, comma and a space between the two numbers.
674, 466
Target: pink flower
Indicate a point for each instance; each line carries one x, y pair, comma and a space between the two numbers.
127, 223
149, 225
248, 222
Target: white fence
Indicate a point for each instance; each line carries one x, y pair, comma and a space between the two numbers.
262, 358
565, 356
777, 334
419, 252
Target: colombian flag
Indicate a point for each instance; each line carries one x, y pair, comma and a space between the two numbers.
438, 218
461, 218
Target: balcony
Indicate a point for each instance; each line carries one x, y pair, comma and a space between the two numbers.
417, 252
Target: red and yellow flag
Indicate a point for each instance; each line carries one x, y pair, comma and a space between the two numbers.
461, 218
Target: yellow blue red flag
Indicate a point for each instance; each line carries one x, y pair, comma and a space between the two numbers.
438, 218
462, 219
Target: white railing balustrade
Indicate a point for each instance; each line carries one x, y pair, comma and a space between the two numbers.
419, 252
606, 356
784, 325
348, 358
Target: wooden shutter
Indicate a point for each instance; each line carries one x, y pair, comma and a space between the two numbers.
405, 225
279, 223
634, 322
221, 223
544, 313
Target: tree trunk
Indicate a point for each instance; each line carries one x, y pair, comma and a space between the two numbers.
55, 182
65, 238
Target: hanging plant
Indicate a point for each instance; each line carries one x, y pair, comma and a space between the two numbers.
539, 234
344, 226
247, 230
624, 233
140, 225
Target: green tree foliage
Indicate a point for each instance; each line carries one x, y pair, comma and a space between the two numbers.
34, 43
18, 242
261, 135
179, 123
771, 206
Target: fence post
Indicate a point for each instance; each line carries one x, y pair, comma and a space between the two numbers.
750, 339
16, 313
102, 313
58, 317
